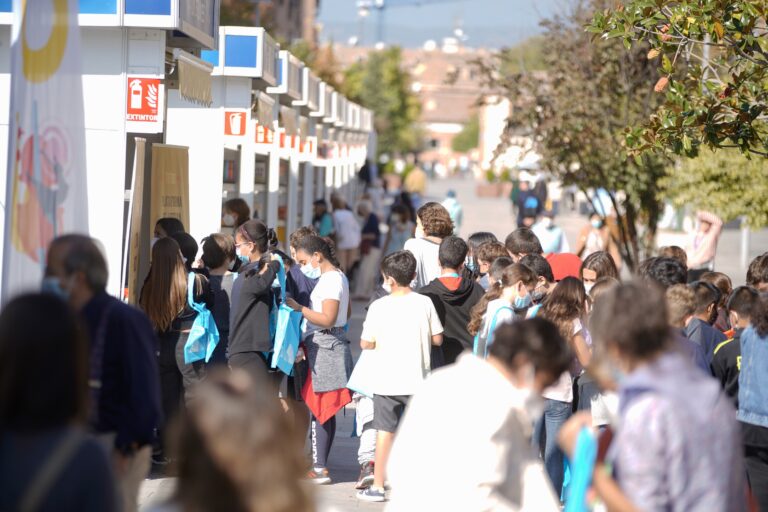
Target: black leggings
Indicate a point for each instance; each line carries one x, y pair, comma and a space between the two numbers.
322, 440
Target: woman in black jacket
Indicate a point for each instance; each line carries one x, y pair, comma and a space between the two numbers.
252, 298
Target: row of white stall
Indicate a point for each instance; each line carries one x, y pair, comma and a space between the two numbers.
256, 122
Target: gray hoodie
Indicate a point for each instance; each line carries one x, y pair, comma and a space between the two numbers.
677, 446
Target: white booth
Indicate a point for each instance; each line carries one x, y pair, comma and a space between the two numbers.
228, 153
130, 51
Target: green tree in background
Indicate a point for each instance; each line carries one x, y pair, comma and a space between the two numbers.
713, 56
380, 84
576, 116
469, 137
728, 184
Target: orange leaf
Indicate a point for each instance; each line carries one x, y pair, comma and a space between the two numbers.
653, 53
661, 84
719, 30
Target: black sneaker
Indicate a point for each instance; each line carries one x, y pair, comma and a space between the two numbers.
372, 495
366, 476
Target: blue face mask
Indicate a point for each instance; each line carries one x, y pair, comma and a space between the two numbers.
310, 271
470, 264
523, 302
52, 285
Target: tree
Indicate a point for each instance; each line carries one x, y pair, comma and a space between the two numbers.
728, 184
713, 56
380, 84
469, 137
576, 115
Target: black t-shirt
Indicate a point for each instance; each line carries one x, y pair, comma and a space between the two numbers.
726, 365
754, 435
221, 291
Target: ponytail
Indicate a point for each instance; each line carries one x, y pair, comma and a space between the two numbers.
511, 275
259, 234
476, 317
325, 246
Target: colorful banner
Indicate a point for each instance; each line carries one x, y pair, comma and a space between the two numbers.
46, 193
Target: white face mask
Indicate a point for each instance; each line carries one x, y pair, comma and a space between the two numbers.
310, 271
387, 287
588, 287
228, 220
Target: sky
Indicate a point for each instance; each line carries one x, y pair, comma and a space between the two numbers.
486, 23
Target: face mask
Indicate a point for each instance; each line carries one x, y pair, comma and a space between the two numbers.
310, 271
597, 224
523, 302
228, 220
537, 296
52, 285
470, 264
243, 259
231, 266
387, 287
546, 222
588, 287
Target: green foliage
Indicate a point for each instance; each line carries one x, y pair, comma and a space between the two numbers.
237, 13
713, 55
469, 137
726, 184
382, 85
577, 116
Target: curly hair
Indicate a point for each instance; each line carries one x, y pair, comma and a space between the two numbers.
436, 220
566, 303
490, 251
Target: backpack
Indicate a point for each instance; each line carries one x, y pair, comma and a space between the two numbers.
483, 347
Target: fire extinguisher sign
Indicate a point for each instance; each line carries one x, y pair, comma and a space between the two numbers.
143, 99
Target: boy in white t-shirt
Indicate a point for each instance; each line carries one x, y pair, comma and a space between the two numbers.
401, 328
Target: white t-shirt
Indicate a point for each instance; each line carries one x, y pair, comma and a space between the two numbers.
332, 285
348, 231
467, 414
402, 327
427, 261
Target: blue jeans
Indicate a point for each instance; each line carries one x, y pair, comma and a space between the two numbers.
556, 413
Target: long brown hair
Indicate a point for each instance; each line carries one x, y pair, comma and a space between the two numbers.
164, 294
237, 451
509, 277
564, 304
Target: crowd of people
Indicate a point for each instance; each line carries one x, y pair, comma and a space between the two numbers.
485, 365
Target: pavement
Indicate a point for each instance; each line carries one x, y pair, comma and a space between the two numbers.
480, 214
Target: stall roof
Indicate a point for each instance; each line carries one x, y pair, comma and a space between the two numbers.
248, 52
194, 23
289, 78
310, 91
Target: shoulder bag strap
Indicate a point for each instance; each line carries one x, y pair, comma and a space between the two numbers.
52, 468
492, 327
96, 369
191, 282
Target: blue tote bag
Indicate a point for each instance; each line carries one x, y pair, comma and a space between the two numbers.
287, 331
204, 335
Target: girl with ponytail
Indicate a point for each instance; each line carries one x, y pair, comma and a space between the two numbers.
325, 342
511, 292
249, 336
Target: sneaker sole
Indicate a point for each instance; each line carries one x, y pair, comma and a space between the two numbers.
364, 483
321, 481
371, 499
